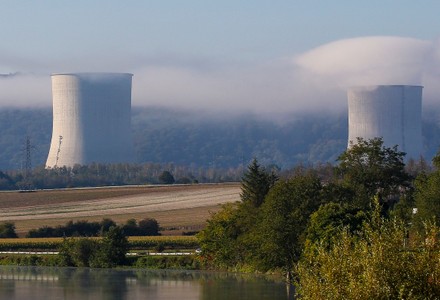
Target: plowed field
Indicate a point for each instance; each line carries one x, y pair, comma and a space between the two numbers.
176, 207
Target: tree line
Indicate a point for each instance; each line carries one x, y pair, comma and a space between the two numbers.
84, 228
114, 174
149, 173
331, 233
163, 135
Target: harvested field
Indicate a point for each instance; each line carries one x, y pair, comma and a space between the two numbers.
173, 206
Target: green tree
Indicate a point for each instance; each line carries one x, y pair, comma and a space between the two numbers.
285, 214
87, 252
427, 195
404, 209
329, 219
230, 240
131, 227
338, 192
256, 183
112, 250
7, 230
376, 263
370, 169
106, 224
148, 226
65, 253
78, 252
219, 239
166, 178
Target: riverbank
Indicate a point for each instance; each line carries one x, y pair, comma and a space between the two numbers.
177, 262
155, 252
135, 243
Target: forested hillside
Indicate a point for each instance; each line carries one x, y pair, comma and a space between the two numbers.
190, 138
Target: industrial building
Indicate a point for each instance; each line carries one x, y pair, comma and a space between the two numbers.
393, 112
91, 119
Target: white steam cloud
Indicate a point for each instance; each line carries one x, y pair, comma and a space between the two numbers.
314, 80
369, 61
25, 90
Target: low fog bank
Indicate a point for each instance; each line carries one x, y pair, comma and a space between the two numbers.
313, 81
207, 112
185, 137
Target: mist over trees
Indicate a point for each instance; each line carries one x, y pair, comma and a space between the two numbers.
187, 138
163, 135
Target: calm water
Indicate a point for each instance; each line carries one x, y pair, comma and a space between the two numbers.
75, 283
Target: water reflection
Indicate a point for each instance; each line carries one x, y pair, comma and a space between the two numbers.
75, 283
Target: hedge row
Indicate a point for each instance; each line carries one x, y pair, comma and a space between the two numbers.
137, 242
167, 242
30, 244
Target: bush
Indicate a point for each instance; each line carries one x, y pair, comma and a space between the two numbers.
7, 230
379, 263
44, 231
159, 247
169, 242
112, 250
148, 227
31, 260
78, 252
131, 228
78, 228
86, 252
106, 224
166, 178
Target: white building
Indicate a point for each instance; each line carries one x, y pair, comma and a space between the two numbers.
393, 112
91, 119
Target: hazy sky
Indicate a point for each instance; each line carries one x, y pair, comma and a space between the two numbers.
260, 56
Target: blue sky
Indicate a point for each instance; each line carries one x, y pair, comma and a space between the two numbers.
202, 53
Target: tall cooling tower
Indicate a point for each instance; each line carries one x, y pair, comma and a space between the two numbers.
91, 119
392, 112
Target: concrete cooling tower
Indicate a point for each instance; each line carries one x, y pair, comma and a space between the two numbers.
91, 119
392, 112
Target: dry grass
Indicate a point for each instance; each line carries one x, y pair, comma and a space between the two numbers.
10, 199
177, 208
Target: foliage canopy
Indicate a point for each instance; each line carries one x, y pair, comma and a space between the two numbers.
256, 183
379, 262
370, 169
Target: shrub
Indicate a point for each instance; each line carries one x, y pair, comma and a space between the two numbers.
166, 178
112, 249
78, 252
379, 263
7, 230
30, 260
148, 227
85, 252
78, 228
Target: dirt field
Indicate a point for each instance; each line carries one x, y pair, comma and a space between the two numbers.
176, 208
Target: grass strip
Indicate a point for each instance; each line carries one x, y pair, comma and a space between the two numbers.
135, 242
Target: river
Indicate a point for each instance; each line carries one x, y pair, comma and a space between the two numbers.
83, 283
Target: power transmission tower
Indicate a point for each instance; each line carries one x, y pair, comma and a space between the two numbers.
26, 184
59, 150
28, 162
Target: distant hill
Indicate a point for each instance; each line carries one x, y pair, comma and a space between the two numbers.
187, 138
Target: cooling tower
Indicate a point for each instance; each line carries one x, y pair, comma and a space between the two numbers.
91, 119
392, 112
